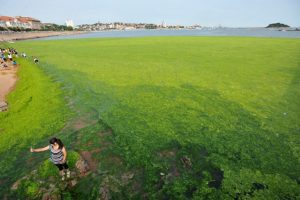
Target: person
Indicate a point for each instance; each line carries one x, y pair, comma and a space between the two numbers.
35, 60
58, 155
9, 57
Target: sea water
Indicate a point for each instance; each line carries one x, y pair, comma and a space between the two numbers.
245, 32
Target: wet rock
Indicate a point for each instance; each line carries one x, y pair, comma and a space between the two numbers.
73, 183
104, 193
46, 196
82, 167
3, 106
52, 186
51, 179
127, 177
15, 186
186, 161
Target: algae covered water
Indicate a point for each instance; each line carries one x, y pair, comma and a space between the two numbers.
241, 32
180, 117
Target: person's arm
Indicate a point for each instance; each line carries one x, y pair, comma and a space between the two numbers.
39, 149
64, 155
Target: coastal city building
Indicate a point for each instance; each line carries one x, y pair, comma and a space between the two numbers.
130, 26
70, 23
20, 22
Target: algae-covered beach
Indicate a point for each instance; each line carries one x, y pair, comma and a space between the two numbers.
159, 117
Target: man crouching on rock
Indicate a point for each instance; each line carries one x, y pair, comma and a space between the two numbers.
58, 155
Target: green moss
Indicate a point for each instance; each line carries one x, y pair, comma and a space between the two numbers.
32, 190
48, 169
28, 189
72, 158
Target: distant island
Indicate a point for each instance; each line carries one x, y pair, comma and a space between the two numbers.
277, 25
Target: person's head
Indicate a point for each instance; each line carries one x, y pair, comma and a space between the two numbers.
56, 141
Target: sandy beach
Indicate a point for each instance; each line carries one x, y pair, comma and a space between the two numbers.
8, 79
12, 36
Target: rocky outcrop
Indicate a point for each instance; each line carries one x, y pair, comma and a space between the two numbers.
51, 187
277, 25
3, 106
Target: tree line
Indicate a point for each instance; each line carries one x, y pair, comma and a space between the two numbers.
48, 27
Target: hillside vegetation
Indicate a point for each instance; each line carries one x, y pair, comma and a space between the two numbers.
189, 117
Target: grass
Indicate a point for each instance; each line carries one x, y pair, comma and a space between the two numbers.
233, 98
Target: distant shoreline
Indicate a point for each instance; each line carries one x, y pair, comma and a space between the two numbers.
14, 36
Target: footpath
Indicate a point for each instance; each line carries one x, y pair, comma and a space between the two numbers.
8, 79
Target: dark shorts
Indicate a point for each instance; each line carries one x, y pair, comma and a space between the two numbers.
62, 166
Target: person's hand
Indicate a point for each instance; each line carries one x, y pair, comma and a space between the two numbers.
31, 149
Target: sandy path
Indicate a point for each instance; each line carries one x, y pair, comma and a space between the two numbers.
8, 80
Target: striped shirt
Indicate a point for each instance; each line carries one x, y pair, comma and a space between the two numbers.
56, 155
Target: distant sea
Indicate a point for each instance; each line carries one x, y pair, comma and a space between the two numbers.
245, 32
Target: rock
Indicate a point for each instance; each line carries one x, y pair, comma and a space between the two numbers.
15, 186
51, 186
3, 106
73, 182
46, 196
104, 193
82, 166
51, 179
126, 177
186, 161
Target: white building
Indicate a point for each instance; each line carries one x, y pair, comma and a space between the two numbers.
70, 23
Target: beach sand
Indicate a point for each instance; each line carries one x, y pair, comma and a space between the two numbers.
8, 79
32, 35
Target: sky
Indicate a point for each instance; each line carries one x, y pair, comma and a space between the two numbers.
229, 13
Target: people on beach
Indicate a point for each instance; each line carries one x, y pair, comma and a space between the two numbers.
4, 65
7, 54
4, 58
9, 57
36, 60
58, 155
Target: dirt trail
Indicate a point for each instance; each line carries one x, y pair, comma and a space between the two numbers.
8, 80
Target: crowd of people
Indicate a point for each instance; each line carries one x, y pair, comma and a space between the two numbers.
8, 57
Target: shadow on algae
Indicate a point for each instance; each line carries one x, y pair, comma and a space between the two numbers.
176, 141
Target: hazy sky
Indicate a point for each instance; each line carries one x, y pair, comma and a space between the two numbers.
233, 13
